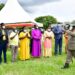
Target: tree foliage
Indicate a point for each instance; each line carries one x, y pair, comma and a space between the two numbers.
1, 6
46, 20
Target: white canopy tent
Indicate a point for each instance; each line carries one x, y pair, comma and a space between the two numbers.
13, 12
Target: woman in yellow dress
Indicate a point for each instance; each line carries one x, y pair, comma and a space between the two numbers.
24, 38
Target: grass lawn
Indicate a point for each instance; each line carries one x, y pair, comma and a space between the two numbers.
37, 66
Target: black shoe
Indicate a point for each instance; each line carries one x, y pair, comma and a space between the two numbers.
60, 53
65, 66
0, 62
55, 54
5, 61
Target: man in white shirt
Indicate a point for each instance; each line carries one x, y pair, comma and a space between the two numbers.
13, 42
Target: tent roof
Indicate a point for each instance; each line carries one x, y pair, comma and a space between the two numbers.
13, 12
19, 25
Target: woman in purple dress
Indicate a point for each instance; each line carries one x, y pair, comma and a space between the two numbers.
36, 41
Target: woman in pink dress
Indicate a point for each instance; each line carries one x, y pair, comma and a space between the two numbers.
48, 34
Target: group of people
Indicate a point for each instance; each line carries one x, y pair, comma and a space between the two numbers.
25, 43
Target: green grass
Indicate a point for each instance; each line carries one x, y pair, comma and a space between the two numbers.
37, 66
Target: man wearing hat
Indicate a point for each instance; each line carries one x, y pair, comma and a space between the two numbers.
3, 42
71, 46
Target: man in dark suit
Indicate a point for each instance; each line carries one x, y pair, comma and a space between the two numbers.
58, 32
3, 42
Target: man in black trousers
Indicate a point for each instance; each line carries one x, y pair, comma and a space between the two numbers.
3, 42
58, 35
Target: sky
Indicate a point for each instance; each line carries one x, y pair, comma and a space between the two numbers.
63, 10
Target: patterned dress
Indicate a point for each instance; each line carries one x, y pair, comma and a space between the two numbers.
48, 43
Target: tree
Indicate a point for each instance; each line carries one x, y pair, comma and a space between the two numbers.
1, 6
46, 20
